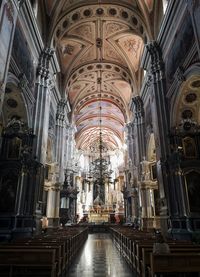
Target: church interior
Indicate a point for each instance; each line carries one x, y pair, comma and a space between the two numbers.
99, 137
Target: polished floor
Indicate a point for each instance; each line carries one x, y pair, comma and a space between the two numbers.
99, 258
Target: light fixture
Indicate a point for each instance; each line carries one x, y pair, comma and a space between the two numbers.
99, 171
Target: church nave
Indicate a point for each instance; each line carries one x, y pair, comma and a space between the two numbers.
99, 257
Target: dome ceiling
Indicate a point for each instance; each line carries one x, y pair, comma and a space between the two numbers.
99, 46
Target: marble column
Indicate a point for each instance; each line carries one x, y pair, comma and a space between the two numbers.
53, 203
66, 145
138, 109
60, 138
152, 62
135, 206
43, 96
144, 202
130, 140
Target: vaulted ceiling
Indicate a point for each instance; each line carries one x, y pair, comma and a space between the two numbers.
99, 46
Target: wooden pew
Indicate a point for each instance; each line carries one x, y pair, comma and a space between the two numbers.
174, 263
27, 262
146, 251
39, 245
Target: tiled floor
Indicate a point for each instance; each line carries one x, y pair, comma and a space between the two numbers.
99, 258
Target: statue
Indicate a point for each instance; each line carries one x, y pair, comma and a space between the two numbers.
145, 169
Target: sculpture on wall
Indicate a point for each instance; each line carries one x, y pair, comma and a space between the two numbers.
145, 169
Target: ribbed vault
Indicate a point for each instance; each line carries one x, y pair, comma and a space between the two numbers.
99, 45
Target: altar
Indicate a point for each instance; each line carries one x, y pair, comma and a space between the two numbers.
98, 218
99, 214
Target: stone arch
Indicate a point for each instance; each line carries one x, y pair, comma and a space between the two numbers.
184, 106
15, 102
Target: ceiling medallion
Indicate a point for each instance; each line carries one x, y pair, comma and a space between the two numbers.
12, 103
191, 97
187, 114
87, 12
99, 43
196, 84
8, 90
112, 11
99, 11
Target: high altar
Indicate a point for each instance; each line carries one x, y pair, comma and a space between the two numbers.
101, 205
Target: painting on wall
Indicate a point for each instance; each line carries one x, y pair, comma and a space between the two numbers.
193, 190
13, 150
8, 189
22, 54
7, 25
189, 148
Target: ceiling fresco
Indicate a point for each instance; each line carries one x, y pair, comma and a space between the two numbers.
99, 45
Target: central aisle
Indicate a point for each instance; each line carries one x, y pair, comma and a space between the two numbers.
99, 258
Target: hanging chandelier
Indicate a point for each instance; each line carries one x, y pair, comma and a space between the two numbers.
100, 167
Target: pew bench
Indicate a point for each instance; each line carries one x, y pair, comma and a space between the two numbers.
28, 262
174, 263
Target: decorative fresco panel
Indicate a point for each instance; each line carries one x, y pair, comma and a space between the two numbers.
22, 54
183, 40
7, 25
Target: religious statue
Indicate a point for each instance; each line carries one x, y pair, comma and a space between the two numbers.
145, 169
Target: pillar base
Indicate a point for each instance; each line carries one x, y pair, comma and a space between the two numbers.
53, 222
150, 223
13, 227
180, 228
184, 228
180, 234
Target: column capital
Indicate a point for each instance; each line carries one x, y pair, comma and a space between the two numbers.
179, 74
60, 115
152, 60
130, 126
43, 66
138, 106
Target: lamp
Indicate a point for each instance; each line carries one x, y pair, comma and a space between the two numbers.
99, 171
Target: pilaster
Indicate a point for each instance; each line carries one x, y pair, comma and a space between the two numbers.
53, 203
60, 137
43, 94
138, 110
152, 62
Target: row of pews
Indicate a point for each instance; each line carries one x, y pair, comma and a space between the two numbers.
47, 255
137, 248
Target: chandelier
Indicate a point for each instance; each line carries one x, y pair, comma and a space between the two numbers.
100, 170
100, 167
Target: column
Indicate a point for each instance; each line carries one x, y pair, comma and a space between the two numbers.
130, 140
41, 114
135, 206
53, 204
144, 202
8, 15
152, 61
66, 146
60, 138
138, 109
